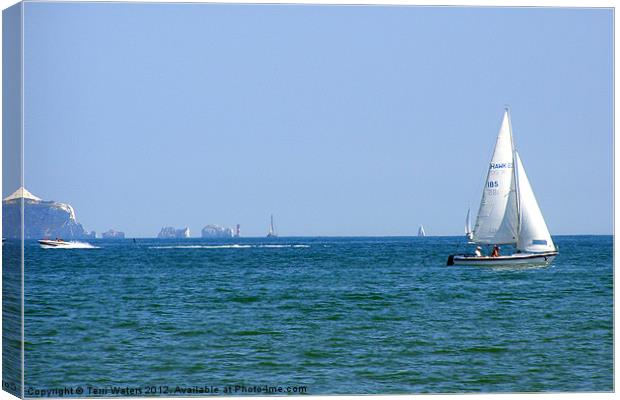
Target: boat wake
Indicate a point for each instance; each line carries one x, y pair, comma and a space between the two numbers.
278, 246
223, 246
232, 246
522, 267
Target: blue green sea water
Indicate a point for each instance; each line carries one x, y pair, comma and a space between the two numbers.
329, 315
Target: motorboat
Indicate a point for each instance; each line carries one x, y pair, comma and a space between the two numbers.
56, 243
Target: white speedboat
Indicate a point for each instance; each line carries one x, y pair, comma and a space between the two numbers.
509, 213
48, 244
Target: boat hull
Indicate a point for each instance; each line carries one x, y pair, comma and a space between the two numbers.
47, 244
513, 259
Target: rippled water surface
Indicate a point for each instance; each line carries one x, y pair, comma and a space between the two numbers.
336, 315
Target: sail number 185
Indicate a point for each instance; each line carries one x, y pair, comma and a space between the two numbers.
492, 184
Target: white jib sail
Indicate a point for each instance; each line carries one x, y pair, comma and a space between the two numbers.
534, 236
497, 220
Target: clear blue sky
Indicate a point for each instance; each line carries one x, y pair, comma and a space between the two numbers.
340, 120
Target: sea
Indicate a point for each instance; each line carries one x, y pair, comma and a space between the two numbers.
298, 315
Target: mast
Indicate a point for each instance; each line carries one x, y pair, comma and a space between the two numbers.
514, 170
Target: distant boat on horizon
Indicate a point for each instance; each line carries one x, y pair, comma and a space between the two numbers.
509, 213
272, 229
421, 232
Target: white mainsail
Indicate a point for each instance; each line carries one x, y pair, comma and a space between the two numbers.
534, 235
497, 221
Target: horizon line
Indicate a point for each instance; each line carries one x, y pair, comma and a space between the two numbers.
334, 236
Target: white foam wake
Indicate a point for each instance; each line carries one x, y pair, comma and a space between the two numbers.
230, 246
222, 246
279, 246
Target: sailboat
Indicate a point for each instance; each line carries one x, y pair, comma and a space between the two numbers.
468, 232
421, 232
272, 229
509, 213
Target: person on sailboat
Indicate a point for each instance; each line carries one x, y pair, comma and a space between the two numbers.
495, 252
478, 252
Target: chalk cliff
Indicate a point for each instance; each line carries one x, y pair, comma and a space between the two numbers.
216, 232
113, 234
168, 232
42, 219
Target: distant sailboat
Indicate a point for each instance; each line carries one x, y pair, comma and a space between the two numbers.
272, 229
468, 232
509, 213
421, 232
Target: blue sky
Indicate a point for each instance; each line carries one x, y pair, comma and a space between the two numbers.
340, 120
